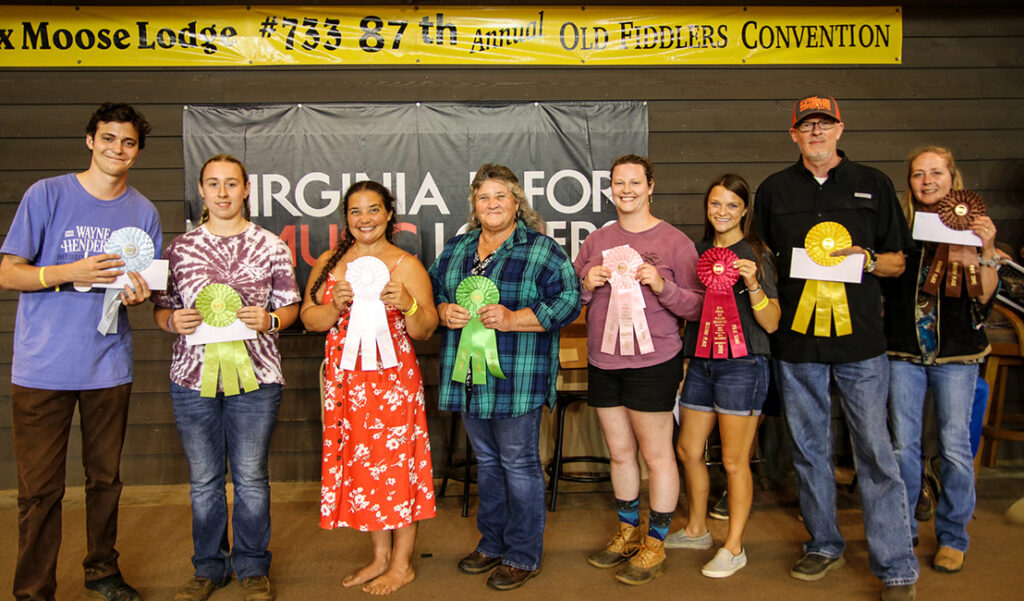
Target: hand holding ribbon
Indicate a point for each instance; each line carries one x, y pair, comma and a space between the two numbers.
341, 295
720, 328
368, 321
478, 345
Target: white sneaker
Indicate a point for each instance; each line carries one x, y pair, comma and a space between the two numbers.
679, 540
724, 564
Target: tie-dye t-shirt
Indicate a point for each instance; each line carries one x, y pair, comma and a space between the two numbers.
256, 264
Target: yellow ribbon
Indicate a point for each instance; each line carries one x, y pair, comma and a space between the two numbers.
826, 300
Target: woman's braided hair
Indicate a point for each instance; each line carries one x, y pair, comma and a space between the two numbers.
347, 240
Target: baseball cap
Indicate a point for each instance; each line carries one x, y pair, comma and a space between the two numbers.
815, 105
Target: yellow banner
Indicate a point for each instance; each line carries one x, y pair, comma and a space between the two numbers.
211, 36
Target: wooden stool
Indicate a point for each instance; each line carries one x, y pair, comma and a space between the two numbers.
1007, 352
452, 467
571, 388
554, 468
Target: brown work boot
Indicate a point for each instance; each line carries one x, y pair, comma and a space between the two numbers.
623, 545
646, 565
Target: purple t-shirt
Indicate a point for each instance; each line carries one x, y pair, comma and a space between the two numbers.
675, 256
256, 264
56, 344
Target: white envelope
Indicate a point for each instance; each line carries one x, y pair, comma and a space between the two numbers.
802, 267
155, 276
206, 333
929, 227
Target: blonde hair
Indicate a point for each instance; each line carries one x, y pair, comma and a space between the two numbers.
503, 175
907, 200
224, 158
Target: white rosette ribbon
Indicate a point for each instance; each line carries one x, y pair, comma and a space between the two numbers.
368, 319
626, 305
136, 249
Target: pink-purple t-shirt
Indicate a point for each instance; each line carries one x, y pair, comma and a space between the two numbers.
256, 264
675, 256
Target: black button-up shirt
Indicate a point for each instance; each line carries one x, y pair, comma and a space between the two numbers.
862, 199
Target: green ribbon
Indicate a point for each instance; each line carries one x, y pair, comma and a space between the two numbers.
477, 344
218, 305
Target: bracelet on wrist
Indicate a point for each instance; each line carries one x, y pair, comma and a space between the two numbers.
993, 262
275, 323
753, 290
170, 328
761, 305
415, 306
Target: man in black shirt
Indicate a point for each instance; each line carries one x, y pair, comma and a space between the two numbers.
825, 186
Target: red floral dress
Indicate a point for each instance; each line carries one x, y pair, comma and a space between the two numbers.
376, 473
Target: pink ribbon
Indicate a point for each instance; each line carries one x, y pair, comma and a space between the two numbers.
626, 305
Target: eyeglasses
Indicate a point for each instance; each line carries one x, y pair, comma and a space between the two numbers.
808, 126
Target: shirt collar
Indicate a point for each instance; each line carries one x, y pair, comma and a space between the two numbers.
833, 173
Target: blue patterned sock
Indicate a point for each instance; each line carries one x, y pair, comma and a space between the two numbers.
660, 523
629, 511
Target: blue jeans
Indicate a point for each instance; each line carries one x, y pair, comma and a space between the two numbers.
807, 405
952, 387
213, 431
510, 481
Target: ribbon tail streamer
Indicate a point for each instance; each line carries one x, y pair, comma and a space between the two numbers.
111, 306
805, 308
243, 364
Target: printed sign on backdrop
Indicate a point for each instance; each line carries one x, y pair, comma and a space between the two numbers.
302, 158
211, 36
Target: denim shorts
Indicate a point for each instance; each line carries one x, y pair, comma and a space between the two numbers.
649, 389
730, 386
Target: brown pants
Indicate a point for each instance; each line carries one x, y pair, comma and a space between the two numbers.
41, 422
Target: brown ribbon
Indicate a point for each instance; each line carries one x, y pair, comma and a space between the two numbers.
957, 211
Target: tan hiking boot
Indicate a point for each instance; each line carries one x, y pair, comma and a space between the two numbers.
623, 545
948, 560
646, 565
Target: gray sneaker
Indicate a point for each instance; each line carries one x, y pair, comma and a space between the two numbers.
679, 540
724, 564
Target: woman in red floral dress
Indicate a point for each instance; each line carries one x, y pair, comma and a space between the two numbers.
376, 473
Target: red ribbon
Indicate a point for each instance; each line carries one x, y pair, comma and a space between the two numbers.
720, 328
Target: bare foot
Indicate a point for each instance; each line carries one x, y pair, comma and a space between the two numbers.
390, 581
369, 572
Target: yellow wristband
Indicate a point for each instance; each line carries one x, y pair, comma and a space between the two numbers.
412, 309
761, 305
41, 279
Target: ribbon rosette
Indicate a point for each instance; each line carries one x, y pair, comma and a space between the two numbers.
957, 211
825, 299
626, 305
368, 319
133, 245
720, 328
135, 248
218, 305
477, 344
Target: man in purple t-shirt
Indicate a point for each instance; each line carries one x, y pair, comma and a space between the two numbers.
61, 359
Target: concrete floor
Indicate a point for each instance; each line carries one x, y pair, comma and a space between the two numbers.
309, 563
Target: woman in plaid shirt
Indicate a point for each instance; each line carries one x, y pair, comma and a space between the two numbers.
539, 295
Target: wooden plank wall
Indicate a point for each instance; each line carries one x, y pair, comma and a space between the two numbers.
960, 84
